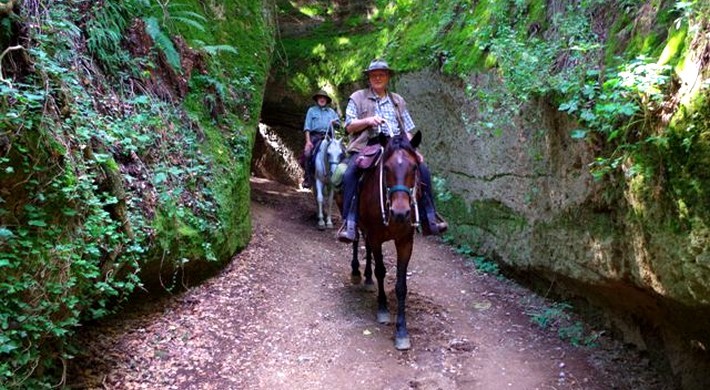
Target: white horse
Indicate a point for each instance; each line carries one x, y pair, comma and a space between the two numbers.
328, 156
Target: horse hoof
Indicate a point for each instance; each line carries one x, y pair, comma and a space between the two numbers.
329, 225
321, 226
383, 317
369, 287
355, 279
402, 343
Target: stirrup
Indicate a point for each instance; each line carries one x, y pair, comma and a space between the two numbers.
435, 228
348, 232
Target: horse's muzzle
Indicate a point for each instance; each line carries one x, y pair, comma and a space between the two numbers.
400, 211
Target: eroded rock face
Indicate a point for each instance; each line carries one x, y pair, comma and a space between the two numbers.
273, 159
523, 195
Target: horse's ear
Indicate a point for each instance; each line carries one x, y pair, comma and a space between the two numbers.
416, 140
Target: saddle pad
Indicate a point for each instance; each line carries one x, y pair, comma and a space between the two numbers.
368, 156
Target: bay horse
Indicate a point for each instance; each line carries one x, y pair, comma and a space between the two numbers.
329, 153
387, 210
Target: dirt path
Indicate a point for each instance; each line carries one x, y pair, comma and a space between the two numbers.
284, 315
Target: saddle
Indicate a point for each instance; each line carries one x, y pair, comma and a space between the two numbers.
368, 156
314, 152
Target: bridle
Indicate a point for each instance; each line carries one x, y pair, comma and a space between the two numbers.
386, 193
332, 162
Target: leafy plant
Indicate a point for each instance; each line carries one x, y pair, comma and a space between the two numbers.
621, 107
575, 335
163, 42
557, 316
546, 317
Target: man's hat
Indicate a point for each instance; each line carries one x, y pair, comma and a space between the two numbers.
322, 93
378, 65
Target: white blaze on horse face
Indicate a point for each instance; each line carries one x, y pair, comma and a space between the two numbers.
400, 202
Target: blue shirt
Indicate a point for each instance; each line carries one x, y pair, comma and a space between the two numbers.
385, 108
318, 119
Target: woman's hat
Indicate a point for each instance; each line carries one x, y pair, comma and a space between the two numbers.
378, 65
322, 93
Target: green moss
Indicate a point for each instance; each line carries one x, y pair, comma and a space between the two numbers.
620, 30
687, 158
675, 46
228, 141
537, 12
480, 224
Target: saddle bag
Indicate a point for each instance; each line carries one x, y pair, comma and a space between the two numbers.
368, 156
337, 177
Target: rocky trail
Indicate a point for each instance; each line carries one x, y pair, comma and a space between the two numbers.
284, 315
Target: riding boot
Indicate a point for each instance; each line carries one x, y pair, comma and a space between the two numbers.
307, 180
432, 223
348, 232
307, 175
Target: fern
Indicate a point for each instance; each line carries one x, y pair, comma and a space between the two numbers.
105, 31
163, 42
176, 13
189, 22
214, 49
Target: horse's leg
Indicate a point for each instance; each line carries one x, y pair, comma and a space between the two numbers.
369, 283
383, 313
355, 275
404, 253
319, 199
331, 193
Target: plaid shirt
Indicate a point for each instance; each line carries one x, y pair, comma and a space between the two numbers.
385, 108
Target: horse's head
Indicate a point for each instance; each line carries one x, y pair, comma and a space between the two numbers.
401, 176
335, 150
330, 153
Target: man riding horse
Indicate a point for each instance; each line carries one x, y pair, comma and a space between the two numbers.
372, 111
319, 118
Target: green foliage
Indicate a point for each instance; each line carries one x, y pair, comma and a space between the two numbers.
482, 264
105, 33
557, 316
65, 257
546, 317
96, 184
575, 334
620, 106
163, 42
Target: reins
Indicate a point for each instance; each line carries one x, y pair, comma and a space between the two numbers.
328, 165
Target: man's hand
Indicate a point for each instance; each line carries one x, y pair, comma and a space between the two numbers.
309, 146
375, 121
420, 157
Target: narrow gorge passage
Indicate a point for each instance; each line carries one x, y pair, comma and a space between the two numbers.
284, 315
